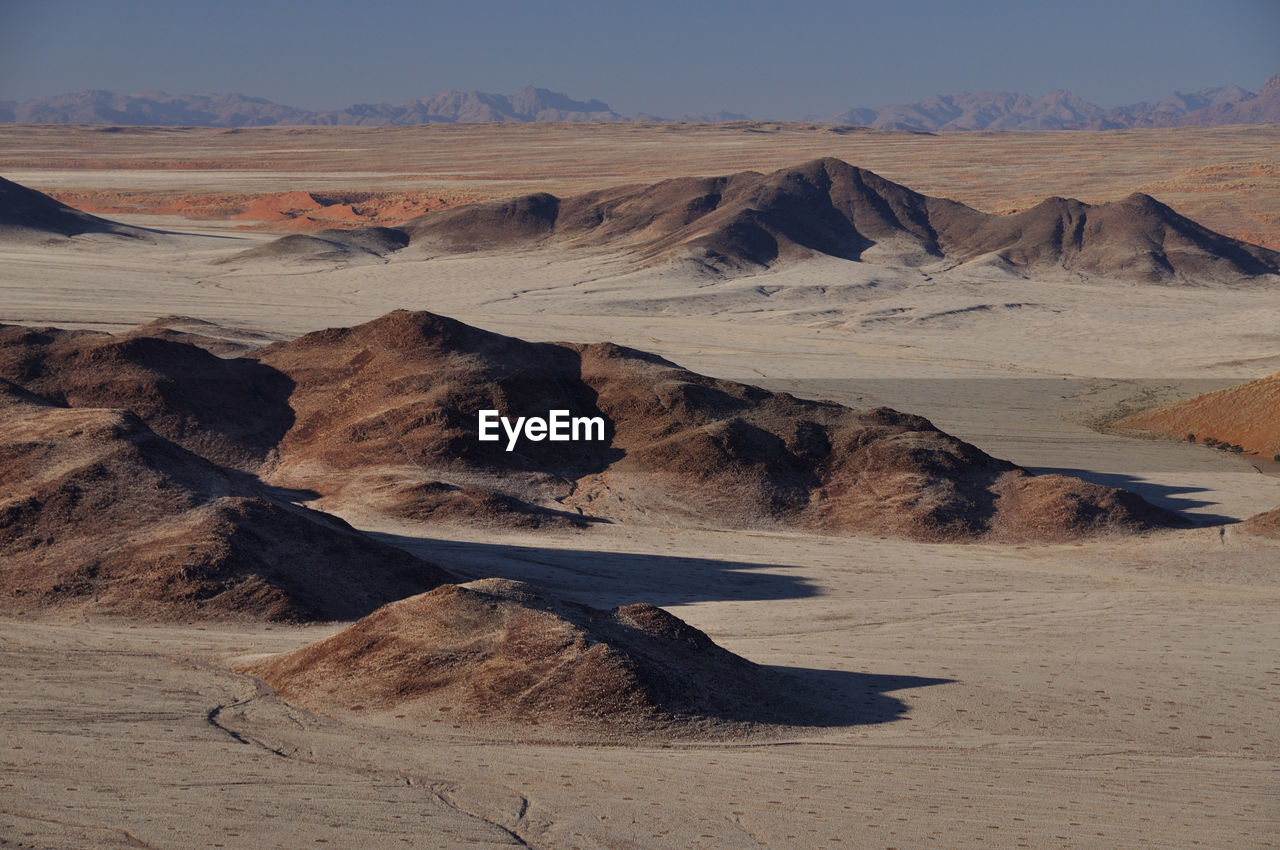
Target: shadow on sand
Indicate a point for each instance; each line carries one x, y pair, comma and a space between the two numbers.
849, 699
1166, 496
805, 696
608, 579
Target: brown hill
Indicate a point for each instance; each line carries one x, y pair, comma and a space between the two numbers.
496, 651
1264, 524
749, 220
27, 214
441, 502
1135, 238
98, 512
228, 410
222, 340
1247, 415
402, 393
385, 415
404, 390
746, 454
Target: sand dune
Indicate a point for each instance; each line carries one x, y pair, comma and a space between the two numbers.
1247, 415
500, 651
100, 513
274, 211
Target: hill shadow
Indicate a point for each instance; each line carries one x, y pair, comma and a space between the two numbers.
156, 231
1169, 497
851, 699
768, 694
608, 579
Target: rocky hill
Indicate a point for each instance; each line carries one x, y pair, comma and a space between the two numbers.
100, 513
502, 652
385, 415
747, 221
402, 393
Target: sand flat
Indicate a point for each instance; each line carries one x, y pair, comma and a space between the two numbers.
1055, 695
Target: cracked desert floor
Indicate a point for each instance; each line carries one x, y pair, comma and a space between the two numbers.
1116, 692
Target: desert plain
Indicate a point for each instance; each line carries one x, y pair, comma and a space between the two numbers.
1112, 690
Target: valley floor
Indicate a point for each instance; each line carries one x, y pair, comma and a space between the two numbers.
1118, 693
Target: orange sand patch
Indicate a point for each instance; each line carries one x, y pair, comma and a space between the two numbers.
1247, 415
295, 211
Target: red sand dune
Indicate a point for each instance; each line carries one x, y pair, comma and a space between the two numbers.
273, 211
307, 210
1247, 415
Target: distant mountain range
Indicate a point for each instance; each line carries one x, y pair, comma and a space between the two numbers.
235, 110
1060, 110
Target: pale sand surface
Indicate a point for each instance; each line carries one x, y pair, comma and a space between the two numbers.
1046, 696
1116, 693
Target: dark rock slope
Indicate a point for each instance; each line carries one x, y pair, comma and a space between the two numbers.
750, 220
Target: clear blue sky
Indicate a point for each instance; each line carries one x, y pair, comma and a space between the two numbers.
660, 57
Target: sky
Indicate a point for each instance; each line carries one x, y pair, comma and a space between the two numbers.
769, 60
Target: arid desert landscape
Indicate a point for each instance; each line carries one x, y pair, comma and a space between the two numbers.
936, 500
